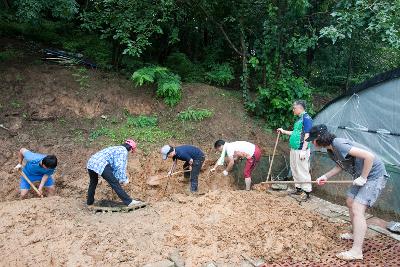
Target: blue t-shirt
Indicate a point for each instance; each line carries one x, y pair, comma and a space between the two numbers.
187, 152
307, 122
32, 168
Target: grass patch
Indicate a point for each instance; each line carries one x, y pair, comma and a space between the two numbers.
143, 129
15, 104
142, 121
10, 54
192, 114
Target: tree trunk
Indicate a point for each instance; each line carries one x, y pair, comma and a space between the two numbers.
245, 70
116, 55
6, 4
264, 75
310, 60
349, 67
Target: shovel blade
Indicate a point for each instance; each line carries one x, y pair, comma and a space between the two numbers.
153, 180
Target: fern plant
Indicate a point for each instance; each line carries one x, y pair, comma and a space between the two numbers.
147, 74
220, 74
142, 121
191, 114
168, 84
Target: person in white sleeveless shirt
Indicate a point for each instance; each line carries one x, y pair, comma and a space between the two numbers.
238, 150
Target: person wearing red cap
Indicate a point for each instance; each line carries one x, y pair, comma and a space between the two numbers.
111, 164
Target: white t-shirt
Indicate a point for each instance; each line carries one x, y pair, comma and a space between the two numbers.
240, 146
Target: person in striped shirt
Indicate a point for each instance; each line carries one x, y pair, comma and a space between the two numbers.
111, 164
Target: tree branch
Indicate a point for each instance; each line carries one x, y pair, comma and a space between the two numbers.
220, 27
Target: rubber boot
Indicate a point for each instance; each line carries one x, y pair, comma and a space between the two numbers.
247, 181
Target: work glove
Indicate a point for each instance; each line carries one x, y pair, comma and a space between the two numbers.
279, 130
225, 173
322, 180
303, 154
19, 166
360, 181
212, 170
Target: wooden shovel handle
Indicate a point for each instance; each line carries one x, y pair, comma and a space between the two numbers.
273, 156
311, 182
166, 176
30, 183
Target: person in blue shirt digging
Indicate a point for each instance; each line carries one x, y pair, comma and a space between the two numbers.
111, 164
38, 167
192, 156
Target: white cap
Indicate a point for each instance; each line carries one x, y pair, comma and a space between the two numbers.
164, 151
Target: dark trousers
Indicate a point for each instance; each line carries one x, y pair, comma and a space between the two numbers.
194, 174
110, 178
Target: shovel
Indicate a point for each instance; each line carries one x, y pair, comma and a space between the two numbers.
273, 156
311, 182
155, 179
30, 183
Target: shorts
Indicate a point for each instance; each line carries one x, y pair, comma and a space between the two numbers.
368, 193
24, 185
252, 162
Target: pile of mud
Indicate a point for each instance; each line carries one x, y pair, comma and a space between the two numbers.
219, 226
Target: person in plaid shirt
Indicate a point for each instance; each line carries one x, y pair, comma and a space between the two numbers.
111, 163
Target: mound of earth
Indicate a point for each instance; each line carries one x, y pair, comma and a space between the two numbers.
219, 226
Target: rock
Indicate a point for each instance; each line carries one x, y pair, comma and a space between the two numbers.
177, 259
309, 224
210, 264
163, 263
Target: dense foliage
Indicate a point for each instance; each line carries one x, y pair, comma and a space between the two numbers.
275, 51
168, 83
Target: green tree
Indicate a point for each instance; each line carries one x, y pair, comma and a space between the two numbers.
128, 24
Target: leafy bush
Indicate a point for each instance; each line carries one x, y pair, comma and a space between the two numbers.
168, 84
194, 114
10, 54
220, 74
148, 74
45, 31
169, 87
179, 63
91, 46
142, 121
275, 102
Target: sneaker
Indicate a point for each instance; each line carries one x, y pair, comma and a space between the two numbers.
184, 180
346, 236
303, 196
135, 203
349, 256
296, 191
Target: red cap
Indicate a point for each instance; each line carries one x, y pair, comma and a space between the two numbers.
132, 144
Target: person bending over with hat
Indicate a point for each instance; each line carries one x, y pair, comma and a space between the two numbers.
192, 156
38, 168
111, 164
237, 150
369, 178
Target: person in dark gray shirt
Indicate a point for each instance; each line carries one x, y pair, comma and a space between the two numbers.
369, 178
